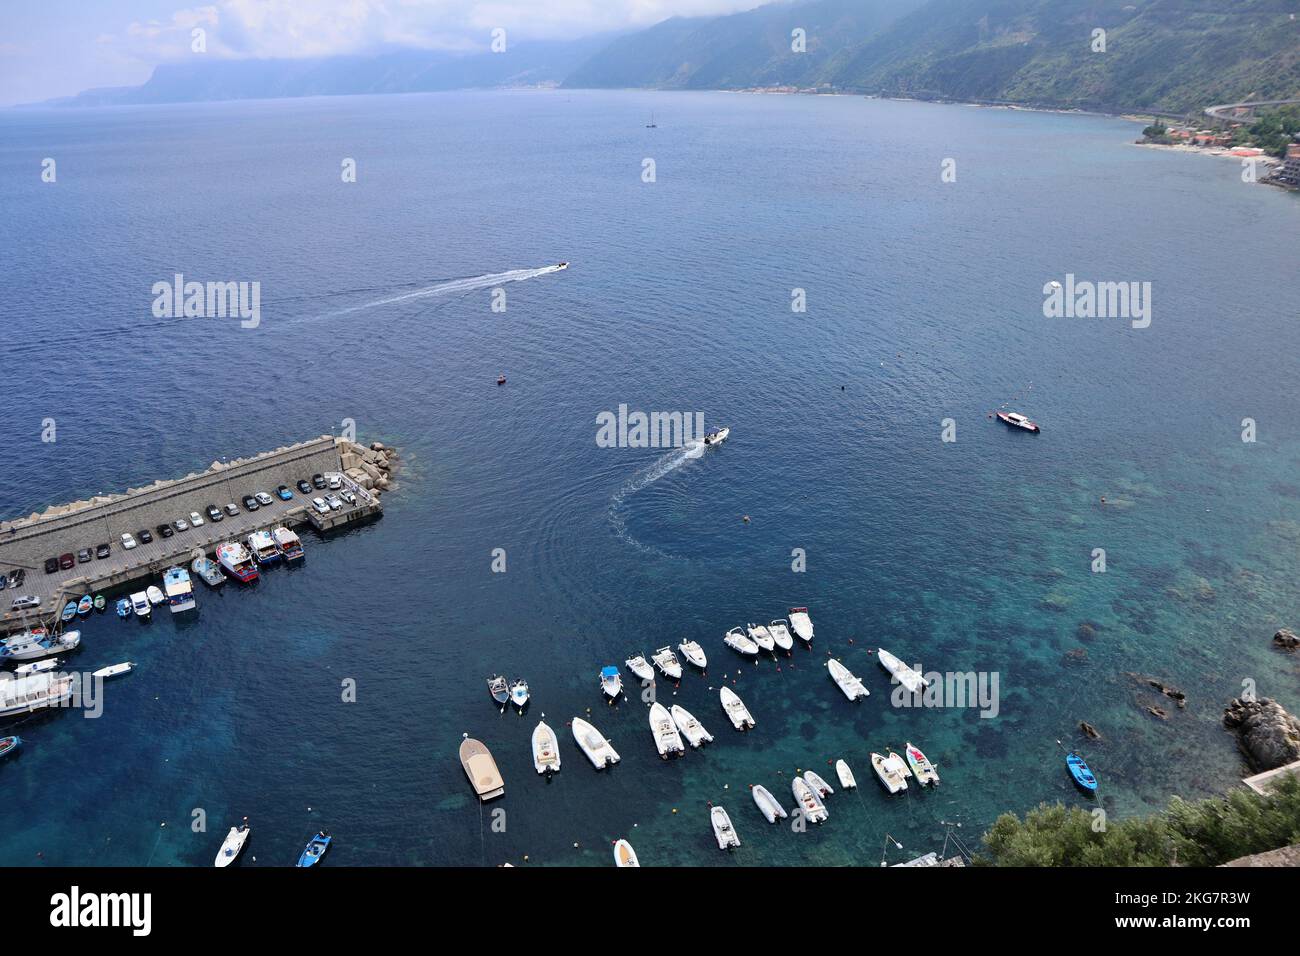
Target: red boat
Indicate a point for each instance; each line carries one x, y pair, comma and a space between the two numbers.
1016, 420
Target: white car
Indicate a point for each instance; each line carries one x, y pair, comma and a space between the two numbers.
180, 525
195, 519
336, 482
128, 542
320, 505
334, 502
263, 498
348, 496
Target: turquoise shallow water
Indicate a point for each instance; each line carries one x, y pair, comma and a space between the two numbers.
924, 304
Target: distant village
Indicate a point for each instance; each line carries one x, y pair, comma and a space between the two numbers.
1273, 140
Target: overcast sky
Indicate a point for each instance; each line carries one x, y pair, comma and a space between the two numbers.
54, 48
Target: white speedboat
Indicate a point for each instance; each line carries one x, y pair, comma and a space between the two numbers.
624, 855
780, 631
561, 266
667, 739
807, 802
37, 667
768, 805
1016, 420
638, 666
519, 693
820, 786
925, 773
667, 662
154, 594
596, 747
611, 682
801, 624
33, 692
905, 675
692, 651
234, 844
759, 635
845, 774
842, 676
140, 604
737, 641
888, 772
723, 831
716, 436
736, 710
691, 728
113, 670
546, 750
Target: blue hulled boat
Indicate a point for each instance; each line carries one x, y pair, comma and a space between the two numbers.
316, 848
1079, 771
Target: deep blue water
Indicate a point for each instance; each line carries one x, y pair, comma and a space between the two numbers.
924, 303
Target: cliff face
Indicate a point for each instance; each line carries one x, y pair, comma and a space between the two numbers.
1266, 733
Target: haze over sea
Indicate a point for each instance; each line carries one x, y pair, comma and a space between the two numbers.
924, 303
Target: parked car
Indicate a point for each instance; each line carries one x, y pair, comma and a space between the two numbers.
250, 503
25, 602
264, 499
164, 531
214, 514
336, 482
17, 577
334, 502
232, 509
128, 542
320, 505
304, 487
196, 519
318, 480
284, 493
144, 535
83, 555
103, 550
51, 565
348, 496
180, 524
66, 560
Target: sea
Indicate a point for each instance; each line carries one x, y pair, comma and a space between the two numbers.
853, 286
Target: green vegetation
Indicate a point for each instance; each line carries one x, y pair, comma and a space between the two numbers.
1272, 131
1200, 833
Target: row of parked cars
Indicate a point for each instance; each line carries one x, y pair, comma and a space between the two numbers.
251, 503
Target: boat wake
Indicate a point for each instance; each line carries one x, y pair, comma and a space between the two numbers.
454, 287
665, 465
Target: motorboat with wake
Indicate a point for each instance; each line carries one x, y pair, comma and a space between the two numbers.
820, 786
723, 831
561, 266
233, 845
519, 693
481, 769
847, 780
767, 804
807, 802
692, 651
611, 682
737, 641
624, 855
638, 666
593, 744
736, 710
237, 562
546, 750
760, 636
179, 590
499, 689
667, 662
716, 436
667, 739
208, 571
842, 676
315, 849
1016, 420
289, 543
909, 678
801, 624
36, 643
691, 728
780, 631
922, 769
891, 772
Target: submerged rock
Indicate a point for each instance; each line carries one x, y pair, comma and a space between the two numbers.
1286, 639
1090, 730
1266, 733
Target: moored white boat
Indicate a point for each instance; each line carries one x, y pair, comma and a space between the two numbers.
848, 683
723, 831
236, 561
820, 786
289, 543
37, 667
546, 749
179, 590
519, 693
667, 739
611, 682
847, 780
691, 728
596, 747
481, 769
154, 594
208, 571
768, 805
780, 631
888, 772
233, 845
692, 651
760, 636
113, 670
36, 643
909, 678
807, 802
640, 667
924, 771
736, 710
1016, 420
34, 692
737, 641
624, 855
801, 624
140, 604
667, 662
262, 547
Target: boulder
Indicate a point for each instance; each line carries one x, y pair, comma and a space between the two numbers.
1286, 639
1266, 733
1090, 730
376, 446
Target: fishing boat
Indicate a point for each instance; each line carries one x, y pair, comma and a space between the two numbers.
519, 693
598, 750
37, 667
546, 751
85, 605
36, 643
723, 831
847, 780
233, 845
624, 855
667, 739
262, 547
611, 682
1083, 777
923, 770
25, 694
716, 436
140, 604
315, 849
801, 624
69, 612
768, 805
909, 678
289, 544
236, 561
154, 594
208, 571
179, 590
1016, 420
760, 636
737, 641
807, 802
889, 773
481, 769
100, 602
692, 651
499, 689
735, 709
820, 786
780, 631
9, 745
114, 670
691, 728
123, 607
667, 662
638, 666
842, 676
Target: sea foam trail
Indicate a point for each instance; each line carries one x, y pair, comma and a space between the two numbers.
667, 464
455, 287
